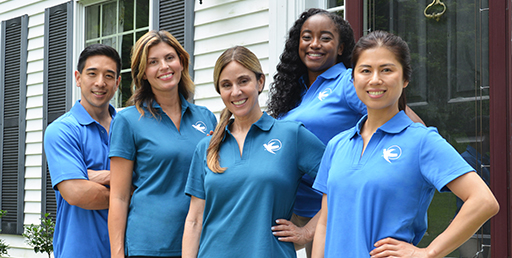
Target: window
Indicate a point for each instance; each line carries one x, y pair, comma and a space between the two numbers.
118, 24
336, 6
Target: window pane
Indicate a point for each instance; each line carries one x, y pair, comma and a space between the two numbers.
110, 42
109, 19
141, 33
340, 13
127, 12
92, 26
334, 3
125, 87
92, 42
142, 13
125, 48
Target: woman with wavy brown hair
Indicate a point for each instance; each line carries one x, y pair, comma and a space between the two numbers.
151, 149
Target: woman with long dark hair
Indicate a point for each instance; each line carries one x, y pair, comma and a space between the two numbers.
389, 167
313, 85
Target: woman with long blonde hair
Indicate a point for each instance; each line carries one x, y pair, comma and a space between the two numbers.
152, 146
246, 176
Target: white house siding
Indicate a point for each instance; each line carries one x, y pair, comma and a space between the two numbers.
33, 146
219, 25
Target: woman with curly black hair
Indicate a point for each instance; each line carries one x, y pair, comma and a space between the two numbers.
287, 88
313, 85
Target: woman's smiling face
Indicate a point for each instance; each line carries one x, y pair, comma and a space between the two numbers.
319, 45
163, 69
239, 90
378, 79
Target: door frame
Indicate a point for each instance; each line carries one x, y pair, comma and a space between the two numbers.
500, 82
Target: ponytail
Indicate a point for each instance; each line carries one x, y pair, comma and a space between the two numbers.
402, 101
212, 154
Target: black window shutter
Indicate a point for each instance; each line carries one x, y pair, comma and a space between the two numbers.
177, 17
13, 74
57, 82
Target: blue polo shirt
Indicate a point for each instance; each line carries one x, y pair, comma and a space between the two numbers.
73, 143
243, 203
327, 108
161, 156
389, 187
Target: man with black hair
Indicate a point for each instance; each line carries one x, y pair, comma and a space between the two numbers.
76, 146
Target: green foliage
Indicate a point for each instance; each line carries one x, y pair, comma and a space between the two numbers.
40, 237
3, 245
3, 248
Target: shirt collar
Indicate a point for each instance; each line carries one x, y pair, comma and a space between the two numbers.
83, 117
184, 105
334, 71
395, 125
265, 123
330, 74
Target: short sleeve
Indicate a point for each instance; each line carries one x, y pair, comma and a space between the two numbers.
195, 180
63, 153
439, 162
309, 151
122, 139
320, 183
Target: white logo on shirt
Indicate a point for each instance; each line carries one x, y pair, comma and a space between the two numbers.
200, 126
273, 145
392, 153
322, 95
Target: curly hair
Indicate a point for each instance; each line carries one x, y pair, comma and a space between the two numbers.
286, 90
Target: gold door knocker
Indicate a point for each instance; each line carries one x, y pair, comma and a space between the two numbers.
435, 15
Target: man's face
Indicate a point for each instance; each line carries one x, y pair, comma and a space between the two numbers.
98, 82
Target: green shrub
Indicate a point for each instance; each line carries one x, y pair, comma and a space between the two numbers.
40, 237
3, 245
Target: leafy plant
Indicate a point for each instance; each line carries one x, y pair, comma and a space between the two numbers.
3, 245
3, 248
40, 237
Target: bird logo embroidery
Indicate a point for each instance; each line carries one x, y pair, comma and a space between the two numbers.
273, 145
200, 126
392, 153
322, 95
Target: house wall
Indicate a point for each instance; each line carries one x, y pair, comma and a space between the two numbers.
33, 146
220, 25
